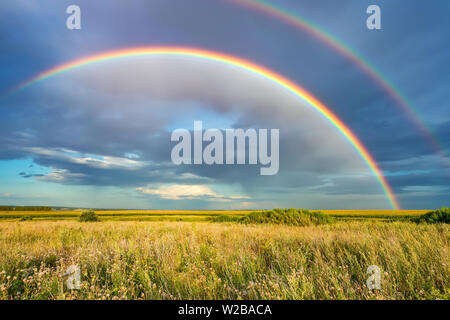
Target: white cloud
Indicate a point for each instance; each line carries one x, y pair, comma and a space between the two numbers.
59, 175
183, 191
91, 160
191, 176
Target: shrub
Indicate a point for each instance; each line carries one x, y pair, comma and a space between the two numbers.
88, 216
437, 216
294, 217
26, 218
225, 218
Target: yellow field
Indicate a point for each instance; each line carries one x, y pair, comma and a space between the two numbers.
192, 215
375, 212
129, 212
121, 215
174, 212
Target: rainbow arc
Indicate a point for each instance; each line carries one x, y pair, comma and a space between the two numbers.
248, 66
331, 41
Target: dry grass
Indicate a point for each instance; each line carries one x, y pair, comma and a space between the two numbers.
162, 260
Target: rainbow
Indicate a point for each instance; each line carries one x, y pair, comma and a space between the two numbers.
331, 41
241, 64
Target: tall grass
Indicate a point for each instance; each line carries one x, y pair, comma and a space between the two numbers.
292, 217
182, 260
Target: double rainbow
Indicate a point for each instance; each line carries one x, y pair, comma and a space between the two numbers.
323, 36
241, 64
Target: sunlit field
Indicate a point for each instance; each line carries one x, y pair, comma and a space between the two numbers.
207, 260
191, 215
121, 215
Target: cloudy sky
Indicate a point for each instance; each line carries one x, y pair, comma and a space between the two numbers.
99, 135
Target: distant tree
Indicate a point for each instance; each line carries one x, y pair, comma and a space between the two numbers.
88, 216
32, 208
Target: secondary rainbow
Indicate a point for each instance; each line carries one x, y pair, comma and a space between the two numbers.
337, 45
241, 64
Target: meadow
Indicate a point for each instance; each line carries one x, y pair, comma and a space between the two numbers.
121, 259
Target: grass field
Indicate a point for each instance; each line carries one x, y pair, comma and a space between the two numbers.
189, 215
121, 215
374, 214
201, 260
165, 258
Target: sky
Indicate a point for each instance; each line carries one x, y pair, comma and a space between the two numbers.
99, 136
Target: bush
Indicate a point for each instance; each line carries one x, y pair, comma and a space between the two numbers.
225, 218
26, 218
437, 216
293, 217
88, 216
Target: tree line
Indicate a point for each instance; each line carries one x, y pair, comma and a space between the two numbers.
25, 208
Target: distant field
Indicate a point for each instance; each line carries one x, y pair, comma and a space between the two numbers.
193, 215
374, 214
122, 215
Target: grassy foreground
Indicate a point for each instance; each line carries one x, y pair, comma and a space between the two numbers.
201, 260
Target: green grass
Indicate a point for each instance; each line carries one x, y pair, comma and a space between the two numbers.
292, 217
437, 216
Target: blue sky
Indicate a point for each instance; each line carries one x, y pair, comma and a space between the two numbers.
99, 136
